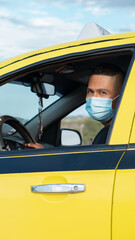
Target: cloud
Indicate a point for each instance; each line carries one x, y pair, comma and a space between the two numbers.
39, 23
98, 11
127, 28
112, 3
4, 13
132, 12
34, 33
104, 3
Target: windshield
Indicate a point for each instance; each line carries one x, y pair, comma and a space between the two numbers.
18, 101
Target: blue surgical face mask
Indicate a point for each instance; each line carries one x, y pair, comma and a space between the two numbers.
100, 109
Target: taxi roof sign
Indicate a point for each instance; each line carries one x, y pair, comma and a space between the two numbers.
92, 30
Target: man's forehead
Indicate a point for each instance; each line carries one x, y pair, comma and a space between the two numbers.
102, 81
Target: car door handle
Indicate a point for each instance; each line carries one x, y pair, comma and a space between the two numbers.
58, 188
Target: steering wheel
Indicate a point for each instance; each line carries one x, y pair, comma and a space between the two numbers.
18, 126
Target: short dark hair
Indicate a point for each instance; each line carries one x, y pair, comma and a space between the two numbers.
107, 69
110, 70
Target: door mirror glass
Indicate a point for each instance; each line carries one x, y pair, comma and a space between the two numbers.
70, 137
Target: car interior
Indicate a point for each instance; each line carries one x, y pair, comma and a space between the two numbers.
68, 79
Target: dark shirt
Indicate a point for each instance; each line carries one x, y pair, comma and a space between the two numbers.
101, 136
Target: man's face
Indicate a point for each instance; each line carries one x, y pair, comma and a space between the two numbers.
103, 86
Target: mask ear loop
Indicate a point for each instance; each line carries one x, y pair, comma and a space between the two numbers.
115, 97
40, 118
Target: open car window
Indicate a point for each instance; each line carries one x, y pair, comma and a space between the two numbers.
21, 102
79, 120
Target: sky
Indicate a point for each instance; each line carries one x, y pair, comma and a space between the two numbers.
27, 25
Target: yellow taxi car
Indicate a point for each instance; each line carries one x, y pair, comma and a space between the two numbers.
65, 192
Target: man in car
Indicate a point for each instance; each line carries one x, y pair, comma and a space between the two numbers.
103, 91
102, 95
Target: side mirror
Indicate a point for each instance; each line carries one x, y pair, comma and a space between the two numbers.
70, 137
43, 89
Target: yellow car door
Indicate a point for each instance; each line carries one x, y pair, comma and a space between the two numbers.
123, 207
63, 193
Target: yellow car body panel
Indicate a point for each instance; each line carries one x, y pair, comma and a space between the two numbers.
27, 215
124, 205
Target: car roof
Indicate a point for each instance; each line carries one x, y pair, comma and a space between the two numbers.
60, 47
73, 50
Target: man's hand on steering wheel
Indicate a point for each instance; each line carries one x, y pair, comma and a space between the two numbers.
34, 145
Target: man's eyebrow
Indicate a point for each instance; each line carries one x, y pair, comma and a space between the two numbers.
103, 90
89, 88
98, 90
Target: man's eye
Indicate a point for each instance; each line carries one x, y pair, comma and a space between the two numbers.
103, 93
89, 91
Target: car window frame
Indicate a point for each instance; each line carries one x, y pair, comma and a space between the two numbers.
111, 129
